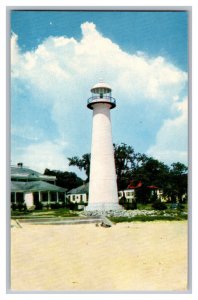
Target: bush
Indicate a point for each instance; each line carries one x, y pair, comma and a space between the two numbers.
63, 204
122, 200
56, 205
159, 205
22, 206
178, 206
39, 206
14, 206
153, 198
72, 206
129, 205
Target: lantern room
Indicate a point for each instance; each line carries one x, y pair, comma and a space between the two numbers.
101, 93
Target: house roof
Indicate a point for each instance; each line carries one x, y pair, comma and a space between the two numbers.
83, 189
132, 186
35, 186
153, 187
29, 174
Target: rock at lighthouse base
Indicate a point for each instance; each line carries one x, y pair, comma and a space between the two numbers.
103, 207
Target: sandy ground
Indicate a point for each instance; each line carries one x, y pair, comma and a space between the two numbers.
149, 256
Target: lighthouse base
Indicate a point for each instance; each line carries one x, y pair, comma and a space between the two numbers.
103, 206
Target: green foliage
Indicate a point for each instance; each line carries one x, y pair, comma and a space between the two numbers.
20, 206
142, 218
61, 212
127, 163
139, 167
82, 163
159, 205
14, 206
72, 206
56, 205
67, 180
126, 204
38, 205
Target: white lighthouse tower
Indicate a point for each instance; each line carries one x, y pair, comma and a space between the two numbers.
103, 194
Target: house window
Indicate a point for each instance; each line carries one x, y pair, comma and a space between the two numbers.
73, 197
81, 198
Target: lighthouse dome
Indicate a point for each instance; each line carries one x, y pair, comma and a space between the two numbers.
101, 86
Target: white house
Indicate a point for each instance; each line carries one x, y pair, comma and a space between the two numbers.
79, 195
128, 194
31, 187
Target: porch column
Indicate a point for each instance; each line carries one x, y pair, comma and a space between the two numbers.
39, 196
49, 198
57, 196
15, 197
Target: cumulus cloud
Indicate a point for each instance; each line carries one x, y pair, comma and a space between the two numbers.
64, 63
172, 138
60, 72
44, 155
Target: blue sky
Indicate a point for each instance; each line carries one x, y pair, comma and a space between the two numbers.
58, 56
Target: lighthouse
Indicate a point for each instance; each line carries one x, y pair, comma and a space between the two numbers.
103, 193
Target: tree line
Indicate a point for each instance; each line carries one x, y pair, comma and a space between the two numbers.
133, 167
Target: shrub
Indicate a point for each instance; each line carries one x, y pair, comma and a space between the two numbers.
72, 206
63, 204
14, 206
56, 205
39, 206
122, 200
22, 206
153, 198
129, 205
159, 205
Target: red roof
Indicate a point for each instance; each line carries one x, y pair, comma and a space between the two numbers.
131, 186
152, 187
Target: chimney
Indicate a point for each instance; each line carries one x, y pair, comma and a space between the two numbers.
20, 165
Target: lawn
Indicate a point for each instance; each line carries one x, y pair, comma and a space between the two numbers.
60, 212
143, 218
168, 214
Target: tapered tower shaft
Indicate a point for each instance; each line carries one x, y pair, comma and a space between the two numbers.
103, 194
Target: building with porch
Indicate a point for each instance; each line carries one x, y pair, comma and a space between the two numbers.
31, 187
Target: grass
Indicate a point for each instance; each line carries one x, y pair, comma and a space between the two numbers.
141, 206
148, 218
170, 214
148, 206
60, 212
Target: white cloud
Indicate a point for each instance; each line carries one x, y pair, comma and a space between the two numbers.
61, 71
172, 138
28, 132
61, 64
44, 155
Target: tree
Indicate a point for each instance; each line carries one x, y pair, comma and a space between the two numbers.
178, 180
136, 167
67, 180
126, 160
127, 164
82, 163
153, 172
